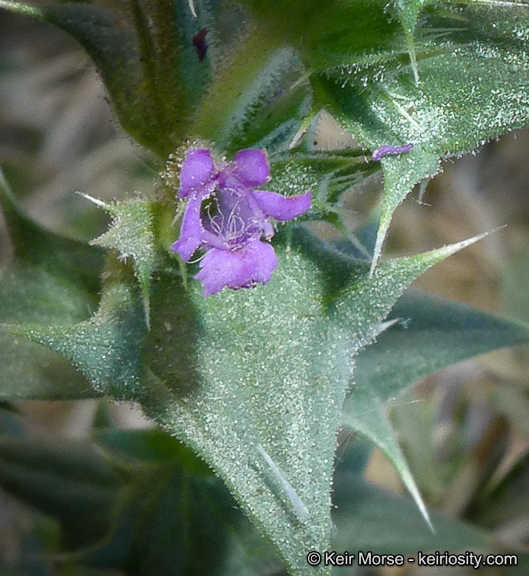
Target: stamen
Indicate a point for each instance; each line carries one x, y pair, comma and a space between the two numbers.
216, 222
235, 226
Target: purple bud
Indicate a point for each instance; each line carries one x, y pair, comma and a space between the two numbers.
390, 150
200, 44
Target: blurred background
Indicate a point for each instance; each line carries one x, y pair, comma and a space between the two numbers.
464, 429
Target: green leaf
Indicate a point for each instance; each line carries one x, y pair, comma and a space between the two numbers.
328, 174
259, 101
150, 445
175, 76
471, 89
132, 235
400, 176
254, 380
39, 249
192, 526
52, 279
427, 334
364, 413
30, 372
181, 516
507, 502
160, 83
370, 519
106, 347
415, 422
330, 32
431, 333
137, 501
113, 48
152, 72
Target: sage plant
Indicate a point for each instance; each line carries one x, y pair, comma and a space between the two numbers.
248, 340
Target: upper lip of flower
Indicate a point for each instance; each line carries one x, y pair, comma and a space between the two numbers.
226, 213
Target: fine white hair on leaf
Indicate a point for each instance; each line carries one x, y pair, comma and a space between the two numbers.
192, 8
383, 326
96, 201
302, 514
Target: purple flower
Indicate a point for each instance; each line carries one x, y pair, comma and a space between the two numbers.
229, 218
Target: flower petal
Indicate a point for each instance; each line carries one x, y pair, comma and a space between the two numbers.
280, 207
260, 262
197, 170
219, 268
251, 167
237, 269
191, 232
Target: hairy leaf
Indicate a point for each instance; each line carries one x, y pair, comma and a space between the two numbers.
151, 70
364, 413
427, 333
430, 333
327, 33
445, 77
253, 380
113, 47
328, 174
177, 516
472, 87
132, 235
137, 501
175, 48
259, 101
